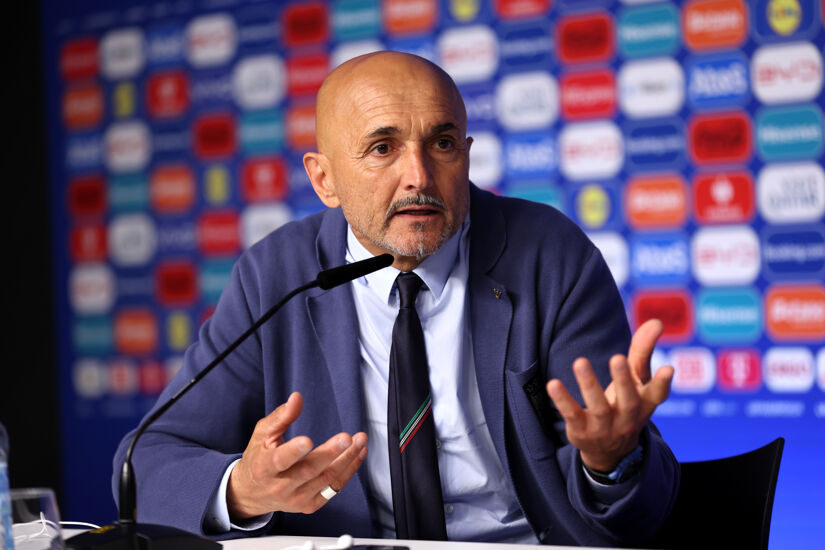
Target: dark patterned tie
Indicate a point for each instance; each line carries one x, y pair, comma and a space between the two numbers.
416, 485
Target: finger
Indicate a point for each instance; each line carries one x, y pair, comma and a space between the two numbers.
338, 474
627, 396
657, 390
593, 395
286, 455
641, 348
273, 426
568, 408
315, 462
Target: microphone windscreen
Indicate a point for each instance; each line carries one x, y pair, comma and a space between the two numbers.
331, 278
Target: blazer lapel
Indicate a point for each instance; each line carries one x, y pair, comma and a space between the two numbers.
491, 312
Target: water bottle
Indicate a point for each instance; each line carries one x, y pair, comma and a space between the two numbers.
6, 538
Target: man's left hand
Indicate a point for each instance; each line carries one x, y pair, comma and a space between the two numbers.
607, 429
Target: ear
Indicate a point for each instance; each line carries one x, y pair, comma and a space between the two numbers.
318, 170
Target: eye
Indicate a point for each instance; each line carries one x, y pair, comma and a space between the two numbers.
381, 149
444, 144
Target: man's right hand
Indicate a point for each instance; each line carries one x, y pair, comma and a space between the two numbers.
275, 475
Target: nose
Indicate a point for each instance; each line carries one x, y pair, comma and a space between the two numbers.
416, 170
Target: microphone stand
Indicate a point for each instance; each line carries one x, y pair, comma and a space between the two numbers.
127, 533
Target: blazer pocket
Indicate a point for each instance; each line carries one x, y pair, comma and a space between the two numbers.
533, 411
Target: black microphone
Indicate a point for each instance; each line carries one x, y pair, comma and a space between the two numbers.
127, 534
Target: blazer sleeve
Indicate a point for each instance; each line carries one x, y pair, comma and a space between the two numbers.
591, 322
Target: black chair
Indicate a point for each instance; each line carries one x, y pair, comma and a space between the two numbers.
724, 503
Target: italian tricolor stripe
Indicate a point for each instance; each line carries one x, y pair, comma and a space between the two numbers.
416, 422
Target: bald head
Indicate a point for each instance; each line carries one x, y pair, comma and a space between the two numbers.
374, 75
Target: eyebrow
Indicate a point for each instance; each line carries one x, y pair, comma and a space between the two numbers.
385, 131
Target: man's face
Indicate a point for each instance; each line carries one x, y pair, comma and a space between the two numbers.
397, 162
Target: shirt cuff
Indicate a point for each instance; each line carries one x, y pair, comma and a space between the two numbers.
217, 517
607, 494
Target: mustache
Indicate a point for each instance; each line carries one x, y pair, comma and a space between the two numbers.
415, 200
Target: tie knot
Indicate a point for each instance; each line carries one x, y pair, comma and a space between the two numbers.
408, 286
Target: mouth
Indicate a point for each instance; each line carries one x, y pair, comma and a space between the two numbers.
416, 212
418, 207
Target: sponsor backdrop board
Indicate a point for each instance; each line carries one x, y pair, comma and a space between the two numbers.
685, 137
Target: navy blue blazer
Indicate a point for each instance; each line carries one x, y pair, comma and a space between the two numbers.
540, 296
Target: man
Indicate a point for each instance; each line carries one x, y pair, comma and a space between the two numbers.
513, 296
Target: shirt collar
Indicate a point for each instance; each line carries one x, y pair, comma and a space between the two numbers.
434, 270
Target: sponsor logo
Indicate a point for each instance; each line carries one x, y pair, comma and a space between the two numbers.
614, 251
695, 370
739, 370
91, 289
655, 144
464, 11
538, 190
128, 193
720, 138
486, 163
354, 19
127, 146
468, 54
258, 221
794, 254
787, 73
724, 197
151, 378
409, 16
651, 88
172, 189
718, 81
789, 369
176, 283
215, 274
178, 330
87, 243
262, 131
585, 38
79, 59
662, 259
122, 53
725, 255
264, 179
305, 73
86, 196
258, 82
796, 313
673, 307
305, 23
92, 335
526, 45
89, 378
133, 239
214, 136
136, 332
83, 152
212, 86
136, 287
177, 236
730, 315
589, 94
218, 233
656, 202
594, 205
648, 31
480, 105
791, 193
124, 100
259, 27
167, 94
300, 127
714, 24
513, 9
591, 150
527, 101
789, 132
216, 184
82, 107
211, 40
529, 155
784, 18
165, 45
